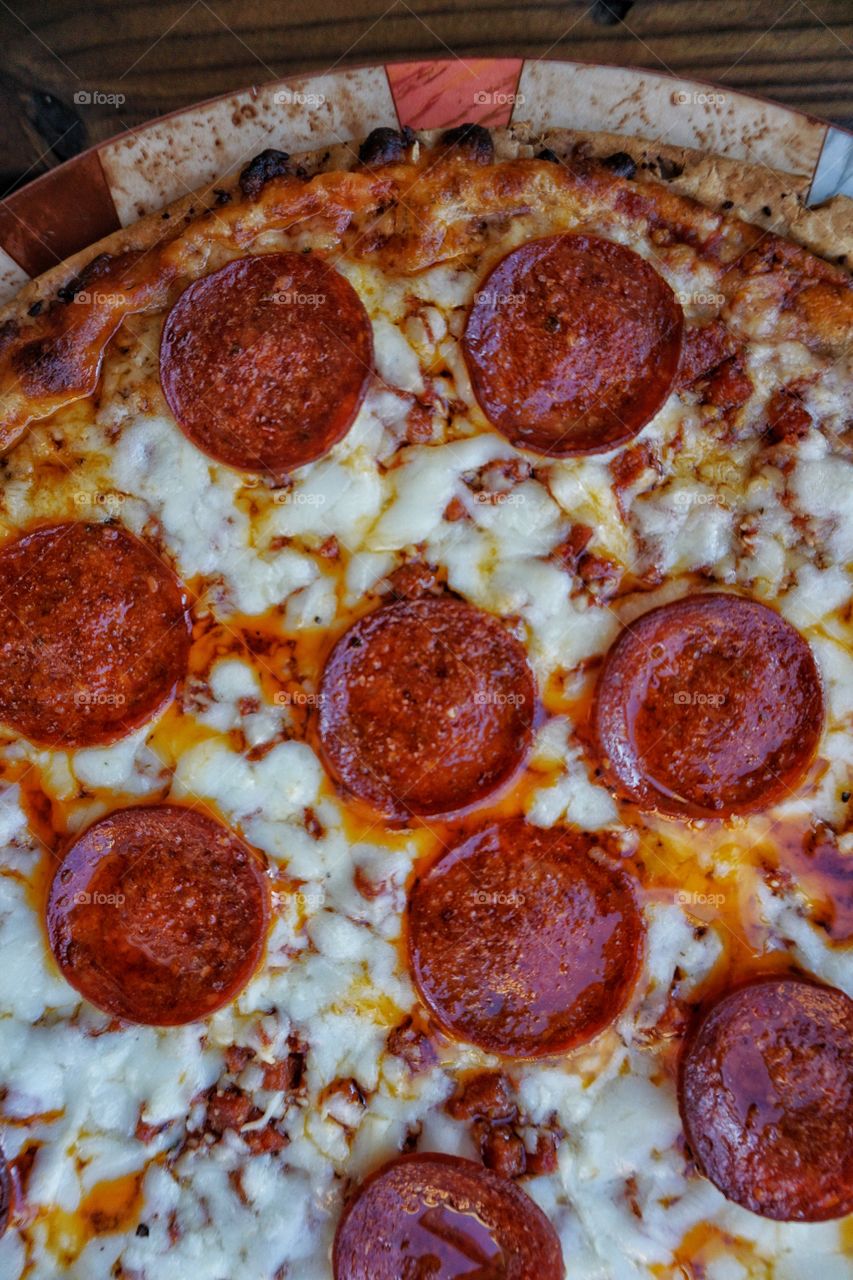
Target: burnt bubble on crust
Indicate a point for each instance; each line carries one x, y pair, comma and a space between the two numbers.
621, 164
47, 365
262, 169
473, 140
669, 169
93, 271
56, 355
385, 146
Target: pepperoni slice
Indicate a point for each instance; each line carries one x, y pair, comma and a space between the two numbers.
94, 634
158, 914
425, 706
265, 363
521, 942
766, 1097
444, 1217
573, 344
708, 706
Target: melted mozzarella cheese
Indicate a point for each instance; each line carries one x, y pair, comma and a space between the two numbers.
193, 502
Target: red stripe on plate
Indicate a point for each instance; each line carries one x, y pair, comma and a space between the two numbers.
434, 95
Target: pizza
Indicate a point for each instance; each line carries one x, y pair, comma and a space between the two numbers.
426, 725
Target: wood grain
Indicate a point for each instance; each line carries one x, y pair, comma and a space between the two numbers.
157, 56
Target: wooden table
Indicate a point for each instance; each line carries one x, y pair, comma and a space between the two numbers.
135, 59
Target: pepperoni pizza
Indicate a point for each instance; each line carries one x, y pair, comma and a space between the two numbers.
426, 723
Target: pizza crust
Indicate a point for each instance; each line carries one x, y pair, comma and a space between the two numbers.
761, 196
765, 197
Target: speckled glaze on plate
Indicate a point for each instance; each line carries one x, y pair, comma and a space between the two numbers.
140, 171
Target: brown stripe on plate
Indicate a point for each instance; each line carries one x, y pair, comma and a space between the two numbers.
60, 213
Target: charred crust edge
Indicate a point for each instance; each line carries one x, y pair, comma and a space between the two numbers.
93, 270
385, 146
669, 169
620, 163
262, 168
472, 139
